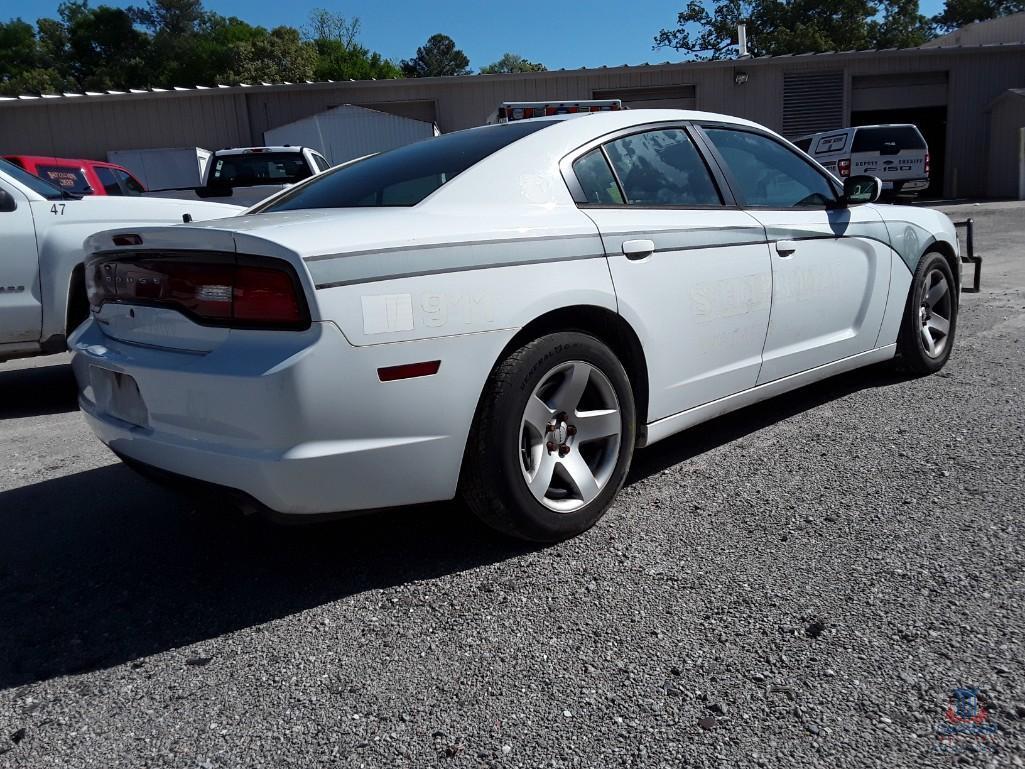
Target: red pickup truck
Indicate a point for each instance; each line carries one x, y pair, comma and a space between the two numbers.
82, 177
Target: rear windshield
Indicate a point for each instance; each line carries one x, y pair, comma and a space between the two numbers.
407, 175
888, 138
66, 177
34, 183
260, 168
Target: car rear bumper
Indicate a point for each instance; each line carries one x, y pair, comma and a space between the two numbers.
300, 423
905, 185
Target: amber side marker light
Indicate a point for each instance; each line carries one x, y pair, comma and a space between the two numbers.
408, 370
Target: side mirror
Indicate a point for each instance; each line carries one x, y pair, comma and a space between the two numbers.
861, 189
7, 202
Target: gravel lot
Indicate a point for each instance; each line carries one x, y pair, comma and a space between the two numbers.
802, 583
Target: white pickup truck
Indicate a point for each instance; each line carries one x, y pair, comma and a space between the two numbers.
42, 289
248, 175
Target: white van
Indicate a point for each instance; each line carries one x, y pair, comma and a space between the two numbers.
896, 154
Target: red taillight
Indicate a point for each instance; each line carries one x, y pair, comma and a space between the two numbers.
926, 163
265, 296
212, 290
843, 167
127, 240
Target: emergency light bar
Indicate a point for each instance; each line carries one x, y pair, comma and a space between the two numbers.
523, 110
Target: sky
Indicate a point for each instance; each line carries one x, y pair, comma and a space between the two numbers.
557, 33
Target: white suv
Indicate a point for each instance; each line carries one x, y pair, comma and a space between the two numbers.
895, 154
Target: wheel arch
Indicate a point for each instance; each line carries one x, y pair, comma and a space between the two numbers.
608, 327
77, 308
946, 250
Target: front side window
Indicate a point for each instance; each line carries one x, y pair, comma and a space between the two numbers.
766, 174
406, 175
662, 168
66, 177
106, 177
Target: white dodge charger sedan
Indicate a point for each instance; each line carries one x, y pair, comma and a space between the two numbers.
503, 313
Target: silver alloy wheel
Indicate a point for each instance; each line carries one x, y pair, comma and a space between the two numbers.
934, 313
569, 436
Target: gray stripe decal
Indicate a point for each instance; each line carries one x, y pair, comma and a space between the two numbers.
908, 240
688, 240
387, 264
467, 268
448, 244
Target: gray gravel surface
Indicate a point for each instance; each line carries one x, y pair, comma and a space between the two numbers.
802, 583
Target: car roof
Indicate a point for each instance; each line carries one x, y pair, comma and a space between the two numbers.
523, 169
53, 160
244, 150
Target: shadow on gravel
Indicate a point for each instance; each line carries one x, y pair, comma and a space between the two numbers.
730, 427
102, 568
32, 392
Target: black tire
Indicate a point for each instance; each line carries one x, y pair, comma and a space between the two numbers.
912, 353
493, 483
78, 301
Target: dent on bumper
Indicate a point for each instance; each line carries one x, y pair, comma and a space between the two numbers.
312, 431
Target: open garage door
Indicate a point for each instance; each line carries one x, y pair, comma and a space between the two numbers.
659, 97
917, 97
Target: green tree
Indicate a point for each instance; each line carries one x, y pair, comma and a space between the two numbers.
274, 56
512, 62
436, 58
776, 27
901, 25
340, 56
958, 13
102, 49
19, 53
177, 29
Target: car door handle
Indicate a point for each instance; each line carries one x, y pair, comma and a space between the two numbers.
785, 247
638, 249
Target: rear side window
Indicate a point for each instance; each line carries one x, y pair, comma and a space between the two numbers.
321, 163
106, 176
803, 144
406, 175
831, 143
596, 179
662, 168
129, 184
888, 138
66, 177
767, 174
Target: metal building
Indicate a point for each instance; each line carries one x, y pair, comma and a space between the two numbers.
945, 90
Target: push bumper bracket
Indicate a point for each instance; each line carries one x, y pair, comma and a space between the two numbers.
968, 256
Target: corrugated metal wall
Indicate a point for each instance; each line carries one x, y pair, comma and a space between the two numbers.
1007, 119
89, 126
